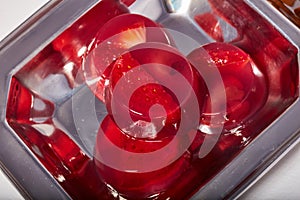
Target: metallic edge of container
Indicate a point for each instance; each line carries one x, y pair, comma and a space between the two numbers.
22, 167
269, 146
35, 182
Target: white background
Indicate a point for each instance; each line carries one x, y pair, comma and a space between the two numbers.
282, 182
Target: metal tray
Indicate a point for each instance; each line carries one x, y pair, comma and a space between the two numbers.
177, 16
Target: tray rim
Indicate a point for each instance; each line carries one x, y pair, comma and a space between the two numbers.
20, 37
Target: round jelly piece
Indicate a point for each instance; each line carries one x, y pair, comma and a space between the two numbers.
114, 38
237, 77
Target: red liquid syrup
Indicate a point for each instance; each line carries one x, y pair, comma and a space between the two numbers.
30, 113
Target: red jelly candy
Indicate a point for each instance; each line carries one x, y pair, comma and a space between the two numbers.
160, 90
73, 42
114, 38
240, 81
142, 145
139, 168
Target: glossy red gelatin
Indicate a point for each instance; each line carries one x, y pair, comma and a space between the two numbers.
114, 38
73, 42
128, 2
271, 52
161, 88
162, 109
158, 166
241, 81
31, 114
210, 24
